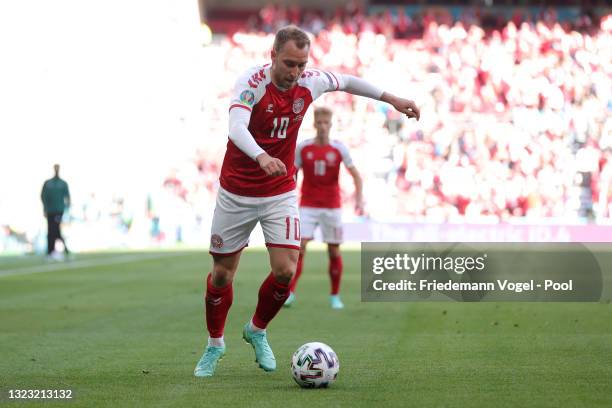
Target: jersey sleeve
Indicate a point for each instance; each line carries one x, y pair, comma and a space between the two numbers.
66, 193
344, 152
43, 194
319, 82
248, 89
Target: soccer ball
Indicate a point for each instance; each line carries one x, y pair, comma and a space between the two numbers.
314, 365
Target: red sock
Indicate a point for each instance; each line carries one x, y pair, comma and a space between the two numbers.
218, 302
272, 295
298, 272
335, 274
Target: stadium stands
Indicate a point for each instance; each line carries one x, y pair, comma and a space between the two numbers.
515, 121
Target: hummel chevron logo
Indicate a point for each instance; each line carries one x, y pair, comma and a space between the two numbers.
214, 301
278, 296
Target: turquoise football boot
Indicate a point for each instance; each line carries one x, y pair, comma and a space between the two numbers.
208, 363
335, 302
290, 300
263, 353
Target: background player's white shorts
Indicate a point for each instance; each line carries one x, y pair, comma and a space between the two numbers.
329, 219
235, 217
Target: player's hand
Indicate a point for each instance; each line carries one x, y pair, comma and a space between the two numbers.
405, 106
359, 205
271, 165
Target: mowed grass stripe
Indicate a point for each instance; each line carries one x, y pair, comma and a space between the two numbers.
53, 266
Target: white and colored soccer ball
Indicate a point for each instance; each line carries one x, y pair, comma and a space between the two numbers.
315, 365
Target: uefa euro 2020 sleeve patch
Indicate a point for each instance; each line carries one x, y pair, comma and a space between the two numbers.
247, 97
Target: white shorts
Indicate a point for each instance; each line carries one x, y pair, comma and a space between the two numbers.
329, 219
235, 217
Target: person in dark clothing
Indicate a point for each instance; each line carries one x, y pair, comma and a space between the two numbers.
56, 199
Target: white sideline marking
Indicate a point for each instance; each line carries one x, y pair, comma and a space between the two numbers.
85, 263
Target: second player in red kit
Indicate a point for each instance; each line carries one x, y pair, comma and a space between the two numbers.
320, 160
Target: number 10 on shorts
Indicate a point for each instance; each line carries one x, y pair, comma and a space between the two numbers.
296, 228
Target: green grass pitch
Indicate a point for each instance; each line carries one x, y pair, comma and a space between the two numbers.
129, 334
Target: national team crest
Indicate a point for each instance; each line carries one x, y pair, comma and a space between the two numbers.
330, 157
216, 241
298, 105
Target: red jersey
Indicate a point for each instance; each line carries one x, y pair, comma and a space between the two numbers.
321, 169
276, 117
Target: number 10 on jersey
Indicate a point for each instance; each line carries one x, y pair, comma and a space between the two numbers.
280, 127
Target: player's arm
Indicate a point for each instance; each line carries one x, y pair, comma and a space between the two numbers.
405, 106
298, 159
350, 167
67, 195
361, 87
243, 139
358, 188
43, 198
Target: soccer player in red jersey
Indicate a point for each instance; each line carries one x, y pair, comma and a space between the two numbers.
258, 184
320, 160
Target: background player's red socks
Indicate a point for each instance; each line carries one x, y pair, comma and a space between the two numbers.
218, 302
272, 296
298, 272
335, 274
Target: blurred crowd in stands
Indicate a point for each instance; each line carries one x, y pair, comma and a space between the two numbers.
397, 23
515, 121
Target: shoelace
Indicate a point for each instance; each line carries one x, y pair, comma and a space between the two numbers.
210, 353
262, 337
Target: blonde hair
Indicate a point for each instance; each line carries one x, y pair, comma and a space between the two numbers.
323, 110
